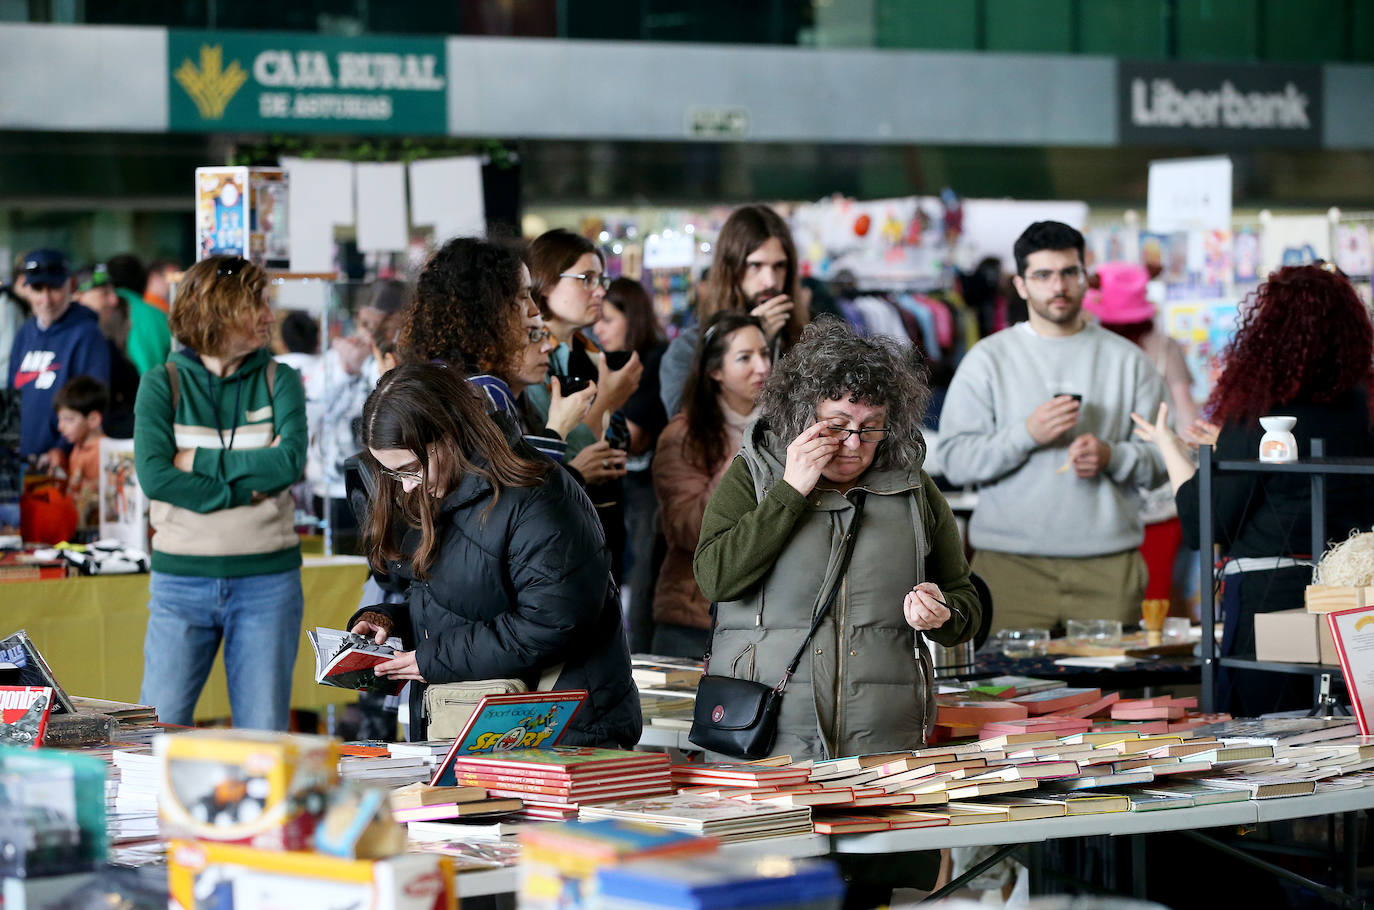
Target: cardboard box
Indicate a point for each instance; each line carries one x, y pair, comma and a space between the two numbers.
1330, 598
254, 787
1294, 636
207, 874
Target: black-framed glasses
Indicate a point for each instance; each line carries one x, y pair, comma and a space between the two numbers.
868, 435
539, 334
589, 279
230, 267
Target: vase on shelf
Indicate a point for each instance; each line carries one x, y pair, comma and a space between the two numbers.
1277, 445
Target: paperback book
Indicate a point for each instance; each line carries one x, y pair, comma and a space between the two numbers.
349, 661
22, 665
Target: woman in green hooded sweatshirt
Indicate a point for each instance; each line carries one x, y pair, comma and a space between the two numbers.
219, 437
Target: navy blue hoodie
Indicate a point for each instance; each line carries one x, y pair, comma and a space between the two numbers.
41, 362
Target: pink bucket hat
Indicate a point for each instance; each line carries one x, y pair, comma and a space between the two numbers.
1122, 297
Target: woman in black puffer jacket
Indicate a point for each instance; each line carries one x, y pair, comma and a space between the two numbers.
509, 571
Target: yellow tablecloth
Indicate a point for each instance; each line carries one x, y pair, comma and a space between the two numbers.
91, 632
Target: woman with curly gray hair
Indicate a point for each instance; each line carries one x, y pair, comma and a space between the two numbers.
840, 422
838, 440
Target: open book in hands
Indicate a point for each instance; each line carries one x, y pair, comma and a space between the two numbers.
346, 660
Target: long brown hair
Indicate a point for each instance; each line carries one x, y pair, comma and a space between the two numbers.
642, 331
705, 445
415, 407
748, 228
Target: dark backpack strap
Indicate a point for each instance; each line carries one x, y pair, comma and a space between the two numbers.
174, 387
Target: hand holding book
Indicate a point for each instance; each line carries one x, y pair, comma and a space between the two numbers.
402, 666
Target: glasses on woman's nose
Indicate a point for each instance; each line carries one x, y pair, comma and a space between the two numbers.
867, 435
403, 476
539, 335
590, 280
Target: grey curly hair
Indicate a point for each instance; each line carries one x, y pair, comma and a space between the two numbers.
832, 362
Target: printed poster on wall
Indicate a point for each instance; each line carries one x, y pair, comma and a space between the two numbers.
123, 507
1353, 254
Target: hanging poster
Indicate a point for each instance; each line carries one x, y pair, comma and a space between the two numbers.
1353, 254
1294, 240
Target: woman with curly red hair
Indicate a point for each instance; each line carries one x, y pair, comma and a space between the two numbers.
1305, 349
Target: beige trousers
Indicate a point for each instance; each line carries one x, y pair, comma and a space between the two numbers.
1043, 591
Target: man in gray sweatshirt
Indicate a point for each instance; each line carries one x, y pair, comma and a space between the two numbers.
1039, 417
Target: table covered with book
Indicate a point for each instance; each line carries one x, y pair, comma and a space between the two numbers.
1076, 763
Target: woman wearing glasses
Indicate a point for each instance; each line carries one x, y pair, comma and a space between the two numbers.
508, 567
473, 311
219, 437
840, 422
569, 281
731, 364
838, 441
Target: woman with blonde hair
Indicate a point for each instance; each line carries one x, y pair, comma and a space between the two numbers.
219, 437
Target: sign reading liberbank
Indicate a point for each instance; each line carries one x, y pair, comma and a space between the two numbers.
1220, 105
239, 81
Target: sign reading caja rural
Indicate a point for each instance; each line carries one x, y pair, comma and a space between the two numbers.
237, 81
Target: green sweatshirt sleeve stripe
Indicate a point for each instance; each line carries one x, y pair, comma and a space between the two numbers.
268, 470
155, 447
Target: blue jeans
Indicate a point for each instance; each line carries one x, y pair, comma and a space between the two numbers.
259, 619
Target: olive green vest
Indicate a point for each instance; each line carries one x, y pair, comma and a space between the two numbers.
865, 683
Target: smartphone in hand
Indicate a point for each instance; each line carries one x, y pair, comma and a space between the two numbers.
616, 360
571, 385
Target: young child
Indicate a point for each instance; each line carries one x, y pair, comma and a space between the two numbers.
81, 405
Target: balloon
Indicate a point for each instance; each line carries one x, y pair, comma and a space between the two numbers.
861, 225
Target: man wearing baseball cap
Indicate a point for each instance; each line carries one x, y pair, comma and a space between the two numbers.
60, 341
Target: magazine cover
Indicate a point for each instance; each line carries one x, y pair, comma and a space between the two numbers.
500, 723
123, 508
22, 665
24, 715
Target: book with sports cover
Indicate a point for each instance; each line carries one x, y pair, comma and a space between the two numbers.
348, 661
505, 723
22, 665
24, 715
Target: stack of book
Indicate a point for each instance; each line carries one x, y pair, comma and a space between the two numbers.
422, 803
667, 689
553, 783
727, 820
431, 752
558, 862
131, 790
375, 765
652, 671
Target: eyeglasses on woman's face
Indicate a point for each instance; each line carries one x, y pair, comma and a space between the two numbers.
590, 280
867, 435
416, 476
538, 334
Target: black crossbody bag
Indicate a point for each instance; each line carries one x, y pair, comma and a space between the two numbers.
739, 717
